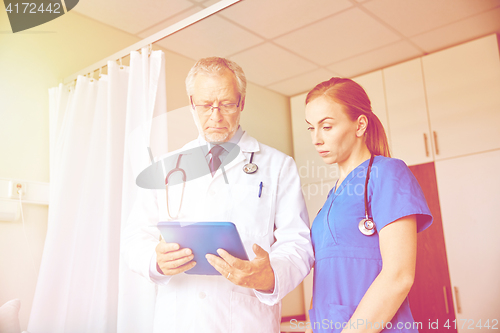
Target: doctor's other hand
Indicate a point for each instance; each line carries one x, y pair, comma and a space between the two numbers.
256, 274
172, 260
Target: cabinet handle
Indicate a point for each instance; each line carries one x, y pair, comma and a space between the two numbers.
446, 300
436, 142
425, 143
457, 299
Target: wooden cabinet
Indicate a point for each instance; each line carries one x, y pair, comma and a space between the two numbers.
462, 86
407, 113
469, 195
431, 295
446, 104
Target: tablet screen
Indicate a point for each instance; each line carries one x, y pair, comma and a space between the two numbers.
203, 238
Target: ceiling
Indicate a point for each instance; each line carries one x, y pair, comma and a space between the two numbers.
291, 45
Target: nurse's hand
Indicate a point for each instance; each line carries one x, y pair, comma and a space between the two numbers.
256, 274
172, 260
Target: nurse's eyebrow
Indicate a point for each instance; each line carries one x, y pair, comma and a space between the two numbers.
322, 120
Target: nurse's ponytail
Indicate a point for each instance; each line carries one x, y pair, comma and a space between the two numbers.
356, 102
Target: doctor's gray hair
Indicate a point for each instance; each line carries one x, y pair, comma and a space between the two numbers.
216, 66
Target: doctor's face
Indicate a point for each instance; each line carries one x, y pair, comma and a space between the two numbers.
333, 133
218, 91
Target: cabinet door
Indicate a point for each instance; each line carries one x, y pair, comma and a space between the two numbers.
463, 94
431, 295
373, 83
407, 113
469, 193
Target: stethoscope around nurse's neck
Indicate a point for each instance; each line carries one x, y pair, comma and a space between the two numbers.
366, 225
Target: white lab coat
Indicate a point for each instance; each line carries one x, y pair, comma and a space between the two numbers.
277, 221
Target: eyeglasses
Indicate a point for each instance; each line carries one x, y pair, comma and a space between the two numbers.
207, 109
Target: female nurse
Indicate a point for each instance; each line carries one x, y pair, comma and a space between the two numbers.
362, 277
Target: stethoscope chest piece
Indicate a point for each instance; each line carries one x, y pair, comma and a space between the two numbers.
367, 227
250, 168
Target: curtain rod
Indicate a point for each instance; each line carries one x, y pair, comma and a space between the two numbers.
202, 14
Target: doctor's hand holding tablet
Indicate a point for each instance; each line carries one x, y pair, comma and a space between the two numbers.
255, 274
172, 259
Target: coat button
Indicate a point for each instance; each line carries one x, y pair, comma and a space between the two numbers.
202, 295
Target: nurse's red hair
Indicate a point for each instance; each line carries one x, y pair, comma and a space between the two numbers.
356, 102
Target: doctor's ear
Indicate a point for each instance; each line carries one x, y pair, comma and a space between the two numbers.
242, 104
362, 125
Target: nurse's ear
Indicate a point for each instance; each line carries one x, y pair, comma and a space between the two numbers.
362, 124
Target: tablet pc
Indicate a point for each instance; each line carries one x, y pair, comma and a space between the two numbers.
203, 238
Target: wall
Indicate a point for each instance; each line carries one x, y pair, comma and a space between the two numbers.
30, 63
267, 117
33, 61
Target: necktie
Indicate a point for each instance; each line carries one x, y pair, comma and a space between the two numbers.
215, 161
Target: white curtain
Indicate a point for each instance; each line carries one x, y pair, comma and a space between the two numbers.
99, 134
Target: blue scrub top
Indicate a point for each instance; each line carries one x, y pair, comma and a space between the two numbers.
347, 261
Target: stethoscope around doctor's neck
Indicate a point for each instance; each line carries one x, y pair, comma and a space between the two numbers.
248, 168
366, 225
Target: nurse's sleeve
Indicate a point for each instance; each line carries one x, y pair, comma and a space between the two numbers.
141, 236
291, 254
396, 193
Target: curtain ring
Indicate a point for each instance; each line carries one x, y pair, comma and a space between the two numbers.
120, 61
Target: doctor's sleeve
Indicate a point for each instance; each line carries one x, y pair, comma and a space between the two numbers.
291, 254
140, 237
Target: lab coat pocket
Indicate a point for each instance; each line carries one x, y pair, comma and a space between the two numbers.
252, 207
248, 314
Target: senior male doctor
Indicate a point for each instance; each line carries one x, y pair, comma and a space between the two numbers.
266, 206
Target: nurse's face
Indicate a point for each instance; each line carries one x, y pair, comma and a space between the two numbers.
216, 90
333, 134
